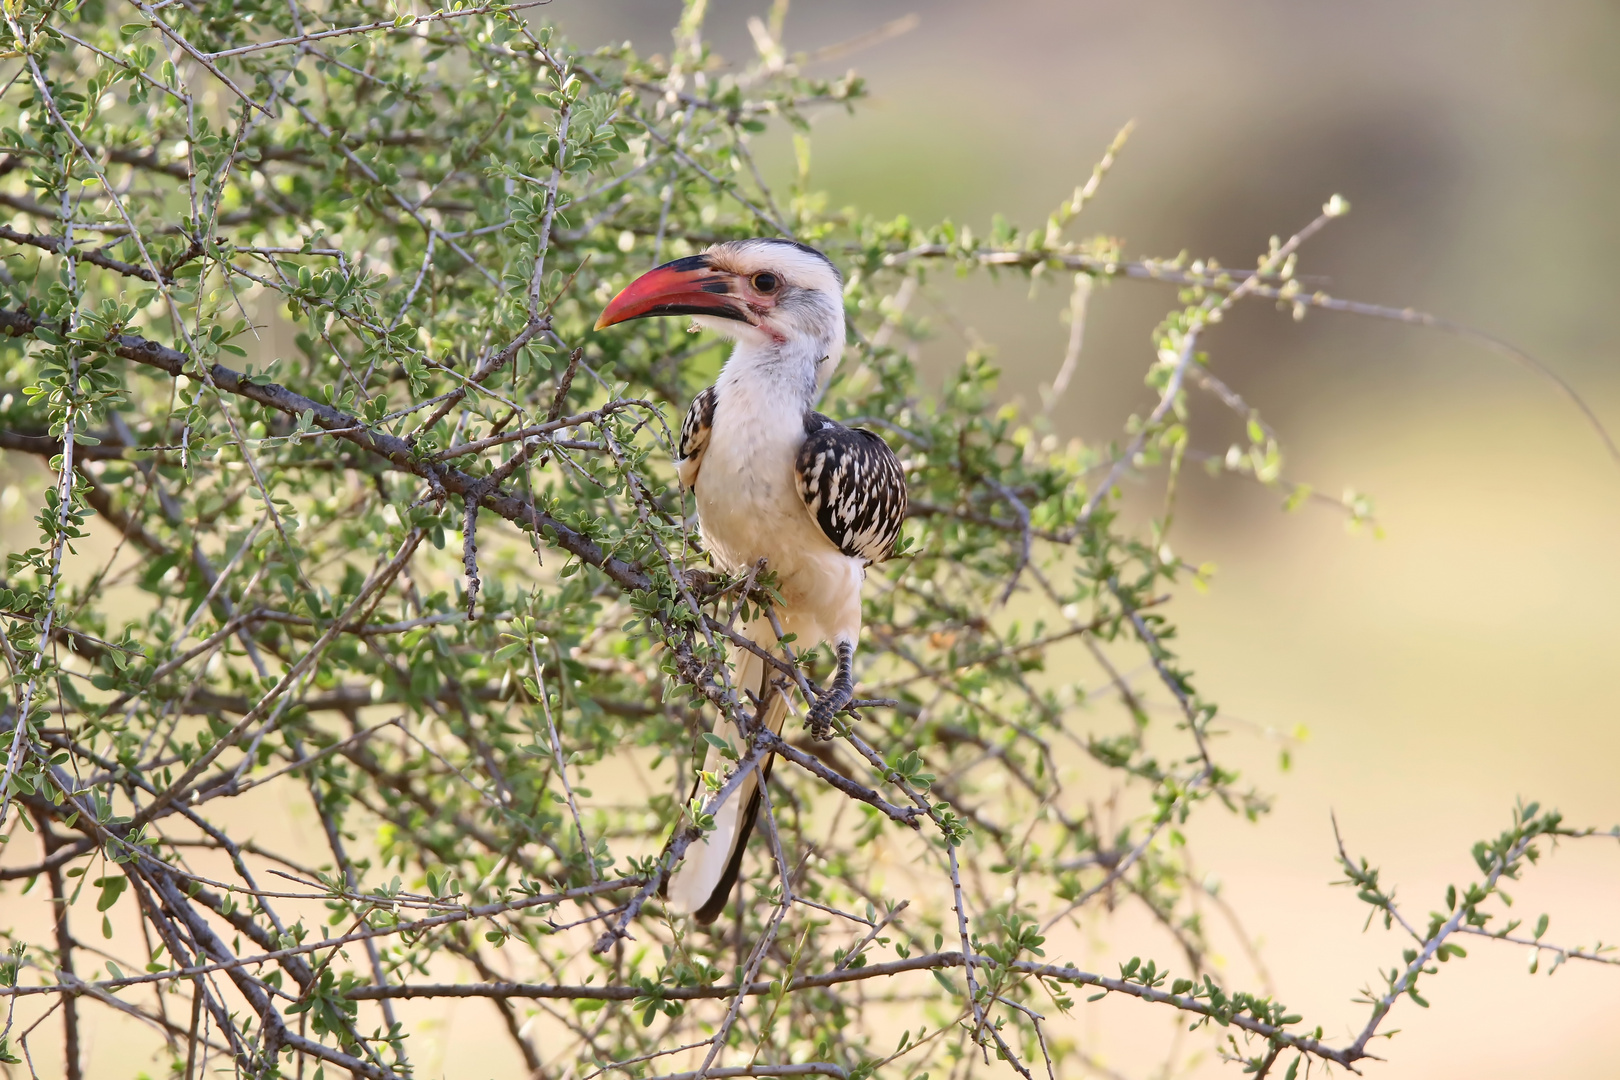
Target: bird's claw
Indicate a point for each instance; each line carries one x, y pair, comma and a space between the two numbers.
822, 712
698, 581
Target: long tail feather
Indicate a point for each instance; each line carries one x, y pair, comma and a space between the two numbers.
702, 881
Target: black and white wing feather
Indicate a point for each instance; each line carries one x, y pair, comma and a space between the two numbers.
854, 486
695, 437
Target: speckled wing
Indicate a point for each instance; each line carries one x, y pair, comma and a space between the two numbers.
854, 486
695, 437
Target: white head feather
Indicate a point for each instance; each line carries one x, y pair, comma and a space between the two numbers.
798, 326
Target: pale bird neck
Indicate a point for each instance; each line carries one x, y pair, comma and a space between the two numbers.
794, 371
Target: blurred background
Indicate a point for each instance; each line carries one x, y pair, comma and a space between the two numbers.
1466, 658
1470, 656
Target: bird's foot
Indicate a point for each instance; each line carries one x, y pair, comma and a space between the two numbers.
822, 712
840, 694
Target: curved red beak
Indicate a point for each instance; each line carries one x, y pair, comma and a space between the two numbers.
689, 286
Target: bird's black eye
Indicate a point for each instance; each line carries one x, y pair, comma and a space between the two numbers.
766, 282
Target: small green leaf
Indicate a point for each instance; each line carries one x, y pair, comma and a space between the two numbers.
112, 887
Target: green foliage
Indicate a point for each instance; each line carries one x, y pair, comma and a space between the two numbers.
389, 532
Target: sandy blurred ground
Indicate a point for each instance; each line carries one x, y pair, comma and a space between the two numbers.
1466, 659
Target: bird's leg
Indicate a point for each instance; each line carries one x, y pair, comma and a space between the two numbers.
836, 697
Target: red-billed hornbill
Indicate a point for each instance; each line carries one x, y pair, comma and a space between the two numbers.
774, 480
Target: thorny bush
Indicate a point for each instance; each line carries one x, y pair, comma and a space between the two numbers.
422, 570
